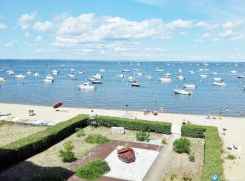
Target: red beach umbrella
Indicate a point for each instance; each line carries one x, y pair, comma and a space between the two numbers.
57, 105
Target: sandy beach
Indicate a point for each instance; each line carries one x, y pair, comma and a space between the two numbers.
234, 170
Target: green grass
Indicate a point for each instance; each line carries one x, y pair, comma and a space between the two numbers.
93, 170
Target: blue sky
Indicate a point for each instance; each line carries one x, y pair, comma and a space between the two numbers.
203, 30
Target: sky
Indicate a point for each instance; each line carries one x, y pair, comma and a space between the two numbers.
135, 30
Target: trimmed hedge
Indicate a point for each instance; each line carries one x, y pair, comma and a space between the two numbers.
26, 147
212, 159
212, 164
134, 124
193, 131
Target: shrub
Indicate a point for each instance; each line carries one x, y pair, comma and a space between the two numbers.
142, 136
26, 147
80, 132
231, 157
193, 131
67, 155
93, 170
134, 124
96, 139
182, 145
192, 157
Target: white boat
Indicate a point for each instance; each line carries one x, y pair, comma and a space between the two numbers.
165, 79
97, 82
2, 79
55, 72
48, 80
182, 92
240, 76
10, 72
86, 86
233, 71
181, 77
102, 70
135, 84
159, 69
97, 76
191, 72
219, 83
91, 79
203, 76
71, 76
126, 70
72, 69
36, 74
214, 73
131, 79
29, 73
217, 79
80, 72
139, 74
168, 75
49, 77
20, 76
121, 76
189, 86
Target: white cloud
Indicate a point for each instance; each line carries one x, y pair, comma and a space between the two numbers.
206, 35
10, 44
25, 19
230, 34
232, 24
206, 25
2, 26
38, 38
43, 26
89, 28
180, 24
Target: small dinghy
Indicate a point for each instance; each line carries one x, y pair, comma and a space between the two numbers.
127, 155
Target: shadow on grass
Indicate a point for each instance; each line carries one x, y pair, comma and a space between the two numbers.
27, 171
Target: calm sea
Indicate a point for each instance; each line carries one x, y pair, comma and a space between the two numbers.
116, 93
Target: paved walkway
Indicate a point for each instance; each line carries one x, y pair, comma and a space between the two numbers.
163, 160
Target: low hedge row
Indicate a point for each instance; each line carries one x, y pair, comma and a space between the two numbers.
193, 131
212, 164
134, 124
212, 159
26, 147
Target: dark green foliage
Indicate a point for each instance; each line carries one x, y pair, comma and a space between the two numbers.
193, 131
67, 155
135, 124
93, 170
47, 177
26, 147
142, 136
182, 145
80, 132
96, 139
